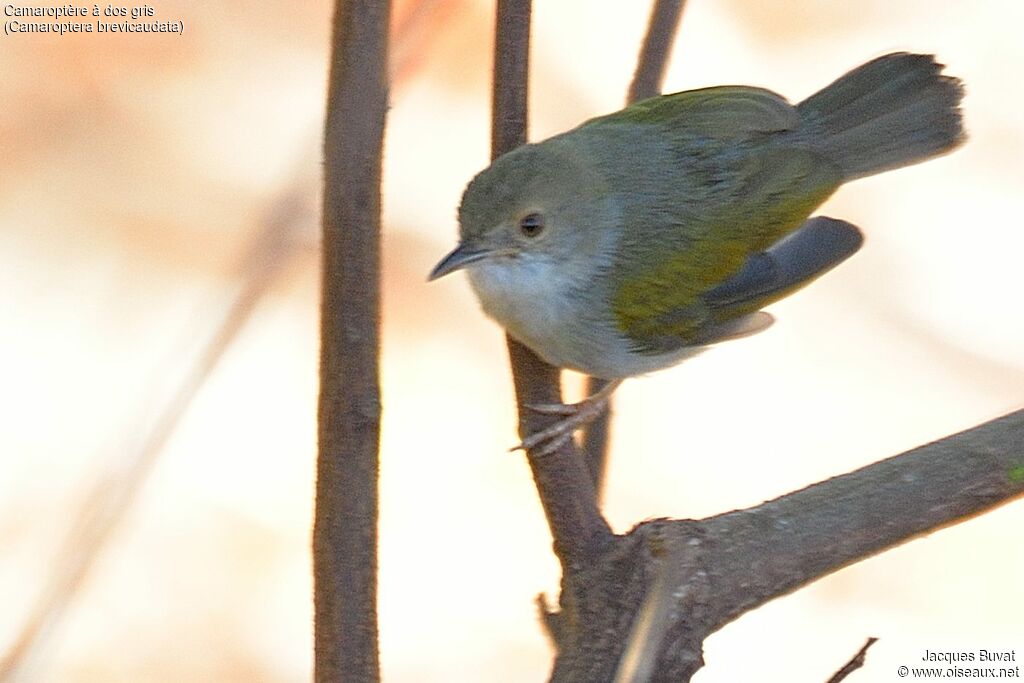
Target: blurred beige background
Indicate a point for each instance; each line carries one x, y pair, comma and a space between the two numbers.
139, 171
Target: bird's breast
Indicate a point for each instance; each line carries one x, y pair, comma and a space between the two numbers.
560, 316
533, 300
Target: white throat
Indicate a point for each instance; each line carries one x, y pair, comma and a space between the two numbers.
533, 298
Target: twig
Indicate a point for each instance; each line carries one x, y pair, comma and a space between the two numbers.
856, 662
647, 82
345, 528
661, 34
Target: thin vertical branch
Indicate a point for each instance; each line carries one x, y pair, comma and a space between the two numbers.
345, 528
510, 94
563, 483
647, 81
595, 438
277, 240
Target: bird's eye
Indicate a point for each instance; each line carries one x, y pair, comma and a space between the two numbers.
531, 225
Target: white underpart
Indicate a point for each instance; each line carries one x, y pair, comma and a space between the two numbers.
539, 303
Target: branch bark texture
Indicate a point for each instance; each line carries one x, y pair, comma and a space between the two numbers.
345, 528
646, 607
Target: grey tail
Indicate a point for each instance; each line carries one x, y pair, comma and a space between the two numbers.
893, 111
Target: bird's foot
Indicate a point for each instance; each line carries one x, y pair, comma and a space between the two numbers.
574, 417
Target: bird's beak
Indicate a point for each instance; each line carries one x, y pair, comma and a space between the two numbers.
460, 257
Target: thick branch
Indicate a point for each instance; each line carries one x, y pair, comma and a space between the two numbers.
668, 584
345, 529
565, 488
791, 541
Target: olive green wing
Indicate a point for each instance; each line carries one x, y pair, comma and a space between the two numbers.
672, 262
724, 113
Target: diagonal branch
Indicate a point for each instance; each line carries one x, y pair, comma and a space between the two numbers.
680, 580
345, 528
856, 662
566, 491
815, 531
653, 60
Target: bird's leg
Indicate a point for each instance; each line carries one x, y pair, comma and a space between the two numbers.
576, 415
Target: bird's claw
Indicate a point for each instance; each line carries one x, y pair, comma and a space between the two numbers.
575, 416
553, 408
547, 441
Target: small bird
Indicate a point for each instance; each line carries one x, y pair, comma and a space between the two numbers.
633, 241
